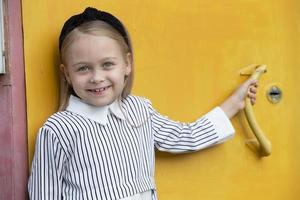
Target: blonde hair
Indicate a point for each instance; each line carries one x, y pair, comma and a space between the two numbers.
98, 28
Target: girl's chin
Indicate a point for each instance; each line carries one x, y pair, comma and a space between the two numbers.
100, 102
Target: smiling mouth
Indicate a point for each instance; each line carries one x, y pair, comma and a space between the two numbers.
98, 90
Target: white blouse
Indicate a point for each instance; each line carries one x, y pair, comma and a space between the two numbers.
107, 153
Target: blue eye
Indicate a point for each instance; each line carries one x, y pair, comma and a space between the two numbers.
83, 68
108, 64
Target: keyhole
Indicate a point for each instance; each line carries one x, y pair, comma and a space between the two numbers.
274, 94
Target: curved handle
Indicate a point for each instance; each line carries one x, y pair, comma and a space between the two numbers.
265, 144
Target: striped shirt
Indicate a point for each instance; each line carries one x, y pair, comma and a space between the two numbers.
107, 153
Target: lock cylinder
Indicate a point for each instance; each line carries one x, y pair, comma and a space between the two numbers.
274, 94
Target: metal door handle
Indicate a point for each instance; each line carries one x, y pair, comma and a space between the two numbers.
264, 144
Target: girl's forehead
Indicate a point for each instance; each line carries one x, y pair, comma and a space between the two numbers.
89, 46
86, 38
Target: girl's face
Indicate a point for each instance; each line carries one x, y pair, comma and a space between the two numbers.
95, 66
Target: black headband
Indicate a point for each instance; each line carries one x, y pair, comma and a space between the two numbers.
92, 14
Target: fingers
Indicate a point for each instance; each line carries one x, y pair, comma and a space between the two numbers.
247, 90
252, 91
252, 98
253, 101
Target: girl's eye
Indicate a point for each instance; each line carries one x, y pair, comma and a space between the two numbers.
83, 68
108, 64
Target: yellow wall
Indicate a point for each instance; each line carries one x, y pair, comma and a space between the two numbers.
188, 55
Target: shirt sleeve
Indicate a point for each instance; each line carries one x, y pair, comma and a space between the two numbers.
45, 181
177, 137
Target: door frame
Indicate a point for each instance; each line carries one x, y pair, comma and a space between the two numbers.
13, 131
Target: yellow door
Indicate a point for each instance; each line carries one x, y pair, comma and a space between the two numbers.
188, 55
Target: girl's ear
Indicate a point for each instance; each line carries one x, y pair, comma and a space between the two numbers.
64, 70
128, 64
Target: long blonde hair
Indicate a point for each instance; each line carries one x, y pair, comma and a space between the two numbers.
98, 28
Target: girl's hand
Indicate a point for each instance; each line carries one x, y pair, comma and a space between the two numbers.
236, 101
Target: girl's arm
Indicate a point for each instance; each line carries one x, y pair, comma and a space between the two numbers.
211, 129
46, 171
236, 102
176, 137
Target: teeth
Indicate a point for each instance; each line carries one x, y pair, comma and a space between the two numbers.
100, 90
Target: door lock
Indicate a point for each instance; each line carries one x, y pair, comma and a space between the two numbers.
274, 94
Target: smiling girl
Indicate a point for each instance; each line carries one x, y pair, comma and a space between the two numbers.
101, 144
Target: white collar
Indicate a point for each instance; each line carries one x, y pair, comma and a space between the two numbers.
98, 114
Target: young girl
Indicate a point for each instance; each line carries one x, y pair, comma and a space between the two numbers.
101, 144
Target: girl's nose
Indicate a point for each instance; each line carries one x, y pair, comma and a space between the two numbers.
97, 77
